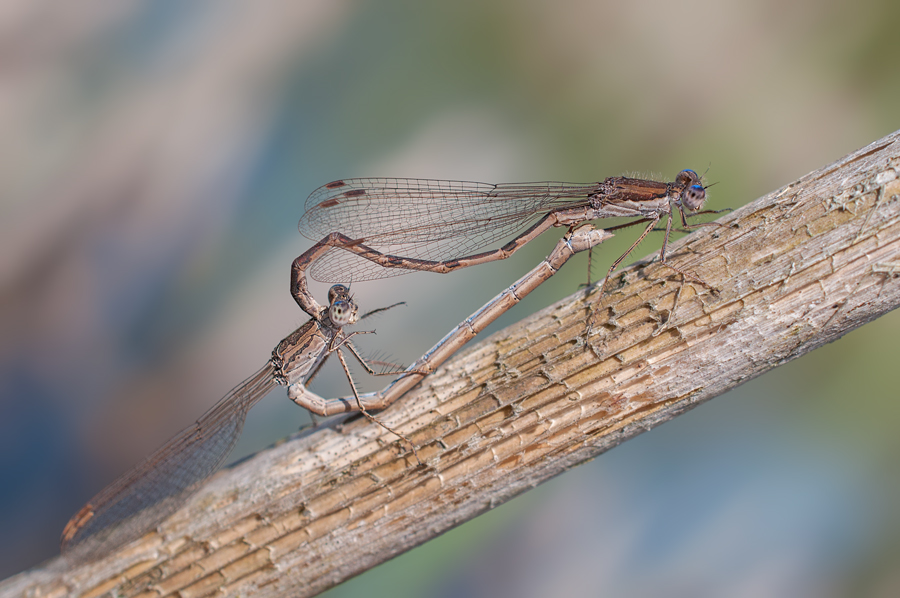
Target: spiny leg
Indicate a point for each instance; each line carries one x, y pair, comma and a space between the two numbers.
590, 259
423, 369
610, 229
622, 257
368, 415
662, 254
337, 341
380, 309
652, 221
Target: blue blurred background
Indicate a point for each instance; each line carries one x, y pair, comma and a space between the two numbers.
156, 157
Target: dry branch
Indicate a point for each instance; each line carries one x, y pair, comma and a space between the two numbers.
794, 270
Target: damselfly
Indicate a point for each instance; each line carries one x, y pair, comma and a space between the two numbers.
386, 227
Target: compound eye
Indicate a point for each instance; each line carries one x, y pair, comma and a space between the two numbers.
693, 197
687, 178
341, 313
338, 291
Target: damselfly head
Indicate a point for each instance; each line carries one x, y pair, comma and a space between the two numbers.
342, 310
694, 194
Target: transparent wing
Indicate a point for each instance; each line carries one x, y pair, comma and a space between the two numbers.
156, 487
424, 218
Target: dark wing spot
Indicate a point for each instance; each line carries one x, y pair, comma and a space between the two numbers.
354, 192
328, 203
335, 184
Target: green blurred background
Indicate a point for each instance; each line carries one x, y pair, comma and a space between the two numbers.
156, 157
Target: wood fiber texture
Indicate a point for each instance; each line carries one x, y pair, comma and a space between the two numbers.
793, 270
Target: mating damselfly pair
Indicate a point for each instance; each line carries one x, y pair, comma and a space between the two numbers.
368, 229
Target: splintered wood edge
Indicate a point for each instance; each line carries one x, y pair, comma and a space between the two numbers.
792, 271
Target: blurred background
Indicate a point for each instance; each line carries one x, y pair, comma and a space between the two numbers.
156, 157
